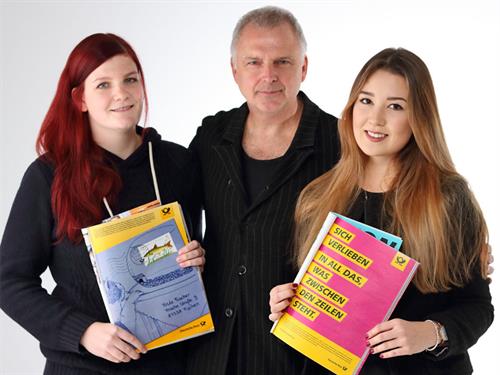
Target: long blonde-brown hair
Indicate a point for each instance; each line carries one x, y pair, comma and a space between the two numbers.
428, 204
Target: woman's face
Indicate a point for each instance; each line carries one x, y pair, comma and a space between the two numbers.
113, 97
380, 116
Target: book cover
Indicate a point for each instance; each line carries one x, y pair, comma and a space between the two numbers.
349, 282
144, 290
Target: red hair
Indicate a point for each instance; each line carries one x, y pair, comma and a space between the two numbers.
82, 177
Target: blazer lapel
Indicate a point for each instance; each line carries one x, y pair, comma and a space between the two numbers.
229, 151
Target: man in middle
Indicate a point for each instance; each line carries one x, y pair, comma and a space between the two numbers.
255, 160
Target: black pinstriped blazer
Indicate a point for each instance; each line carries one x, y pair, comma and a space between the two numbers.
248, 246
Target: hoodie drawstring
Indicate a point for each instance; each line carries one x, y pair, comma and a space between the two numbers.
153, 174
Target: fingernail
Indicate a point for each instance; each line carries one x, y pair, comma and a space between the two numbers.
366, 336
381, 356
368, 343
295, 285
372, 350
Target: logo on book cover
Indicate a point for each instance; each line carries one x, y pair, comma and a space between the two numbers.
400, 261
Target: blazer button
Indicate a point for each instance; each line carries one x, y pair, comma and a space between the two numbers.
242, 270
229, 182
228, 312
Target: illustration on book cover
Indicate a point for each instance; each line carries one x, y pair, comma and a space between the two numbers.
141, 274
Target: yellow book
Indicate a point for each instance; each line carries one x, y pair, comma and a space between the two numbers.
144, 290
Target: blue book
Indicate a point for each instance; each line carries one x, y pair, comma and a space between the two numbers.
387, 238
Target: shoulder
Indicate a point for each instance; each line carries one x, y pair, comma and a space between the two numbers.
39, 173
457, 194
171, 153
324, 118
465, 218
325, 129
214, 126
34, 193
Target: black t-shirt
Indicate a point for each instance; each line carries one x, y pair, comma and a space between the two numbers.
258, 174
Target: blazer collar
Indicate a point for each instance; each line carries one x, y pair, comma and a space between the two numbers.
304, 136
234, 130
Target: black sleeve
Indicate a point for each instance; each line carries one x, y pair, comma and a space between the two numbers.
471, 312
468, 318
25, 253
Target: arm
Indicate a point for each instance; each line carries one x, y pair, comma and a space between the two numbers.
25, 253
468, 318
465, 321
469, 312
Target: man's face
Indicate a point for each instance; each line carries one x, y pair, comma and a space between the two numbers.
269, 67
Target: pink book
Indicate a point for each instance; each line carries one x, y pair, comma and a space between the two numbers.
349, 282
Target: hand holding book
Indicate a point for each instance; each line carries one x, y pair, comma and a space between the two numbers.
279, 299
397, 337
191, 255
115, 344
111, 342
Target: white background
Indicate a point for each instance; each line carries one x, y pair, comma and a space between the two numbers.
184, 49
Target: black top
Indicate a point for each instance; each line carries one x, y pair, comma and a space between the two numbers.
258, 174
58, 320
465, 312
367, 209
248, 244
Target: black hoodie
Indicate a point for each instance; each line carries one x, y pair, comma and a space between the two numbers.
28, 247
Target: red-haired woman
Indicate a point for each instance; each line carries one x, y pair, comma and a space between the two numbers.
396, 173
91, 151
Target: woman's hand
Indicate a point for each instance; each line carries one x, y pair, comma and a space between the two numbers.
191, 255
111, 342
398, 337
279, 299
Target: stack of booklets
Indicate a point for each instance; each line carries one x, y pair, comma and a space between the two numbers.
351, 280
144, 290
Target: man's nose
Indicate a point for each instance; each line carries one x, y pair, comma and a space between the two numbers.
269, 72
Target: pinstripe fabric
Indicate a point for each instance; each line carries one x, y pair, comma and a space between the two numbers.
248, 247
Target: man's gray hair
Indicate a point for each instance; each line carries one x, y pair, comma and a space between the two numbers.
269, 16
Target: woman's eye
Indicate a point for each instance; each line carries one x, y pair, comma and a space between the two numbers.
131, 80
365, 101
396, 107
103, 85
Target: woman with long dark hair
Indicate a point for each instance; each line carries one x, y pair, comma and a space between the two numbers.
395, 173
93, 160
